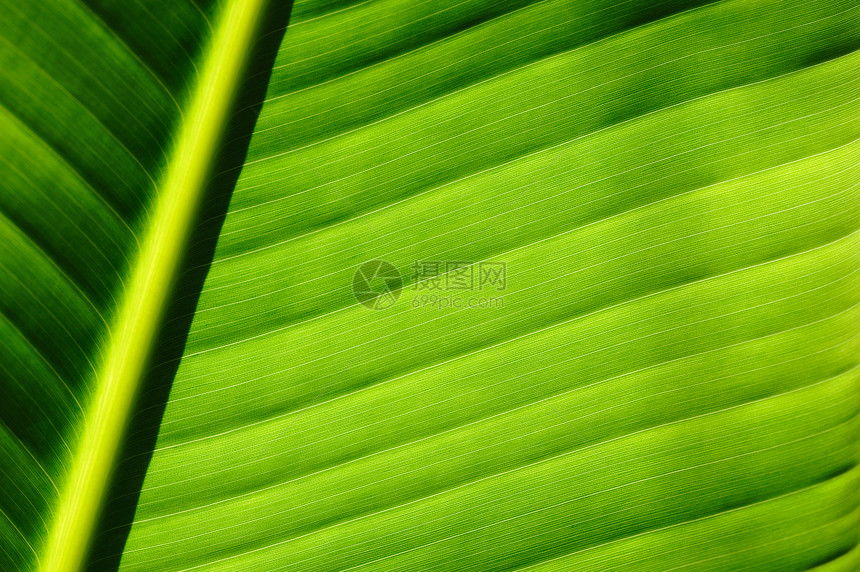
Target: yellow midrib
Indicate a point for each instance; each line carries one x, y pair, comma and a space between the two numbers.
157, 266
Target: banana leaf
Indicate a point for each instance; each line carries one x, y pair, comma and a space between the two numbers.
335, 285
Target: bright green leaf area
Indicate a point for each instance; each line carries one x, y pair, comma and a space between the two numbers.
669, 378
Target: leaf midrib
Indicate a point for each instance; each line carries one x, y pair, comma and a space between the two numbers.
154, 273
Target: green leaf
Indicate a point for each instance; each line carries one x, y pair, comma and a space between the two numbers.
73, 374
489, 285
